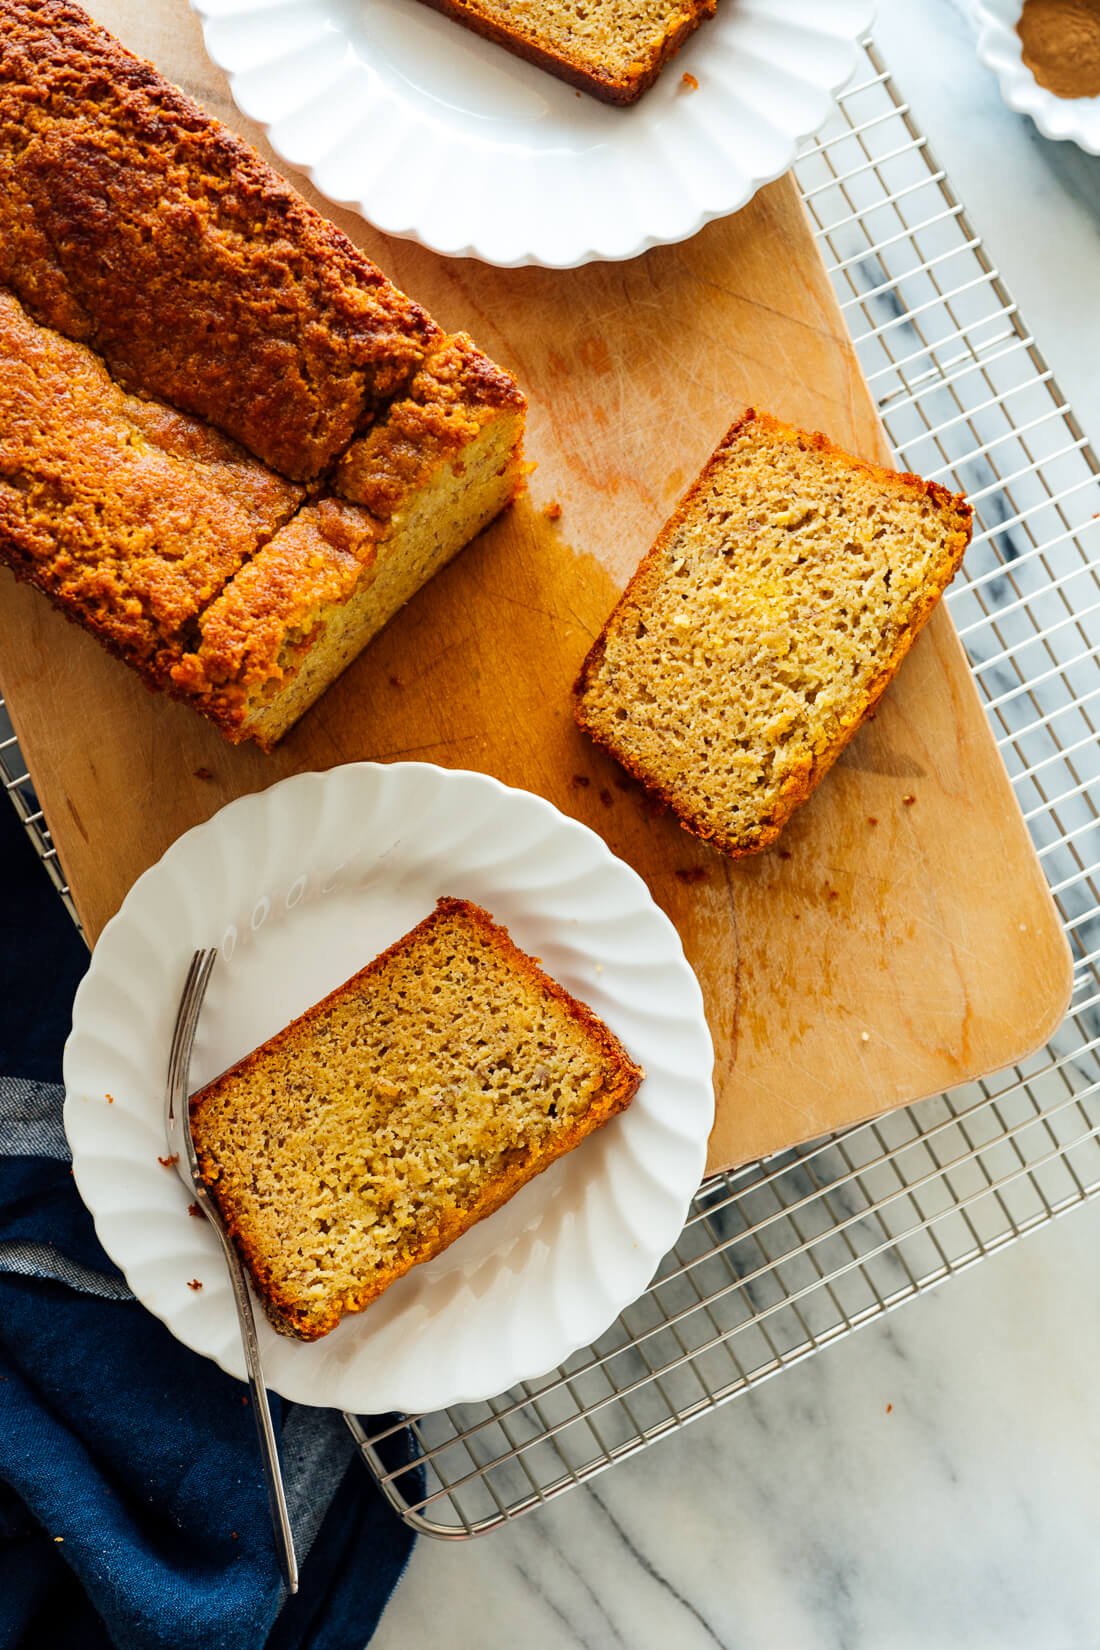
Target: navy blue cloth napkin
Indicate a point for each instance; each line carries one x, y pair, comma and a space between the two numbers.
132, 1506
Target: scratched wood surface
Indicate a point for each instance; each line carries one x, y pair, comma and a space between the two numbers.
899, 941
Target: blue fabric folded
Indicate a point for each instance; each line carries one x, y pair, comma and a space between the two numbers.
132, 1505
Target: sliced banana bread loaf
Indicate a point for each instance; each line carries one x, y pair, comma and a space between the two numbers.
435, 470
205, 570
764, 624
409, 1104
163, 258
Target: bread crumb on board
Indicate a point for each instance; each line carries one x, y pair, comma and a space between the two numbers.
552, 511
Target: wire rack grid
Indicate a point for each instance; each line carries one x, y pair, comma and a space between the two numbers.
783, 1257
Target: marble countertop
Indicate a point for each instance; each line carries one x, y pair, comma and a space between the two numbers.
930, 1483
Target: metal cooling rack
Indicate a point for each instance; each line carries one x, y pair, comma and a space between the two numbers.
781, 1258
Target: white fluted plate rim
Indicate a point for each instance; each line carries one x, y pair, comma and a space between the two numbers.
300, 885
435, 135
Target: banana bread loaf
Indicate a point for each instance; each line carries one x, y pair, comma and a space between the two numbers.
409, 1104
132, 221
771, 613
164, 259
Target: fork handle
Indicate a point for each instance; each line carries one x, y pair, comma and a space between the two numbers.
261, 1411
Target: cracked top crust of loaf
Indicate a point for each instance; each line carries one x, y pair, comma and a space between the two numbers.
444, 407
125, 512
134, 222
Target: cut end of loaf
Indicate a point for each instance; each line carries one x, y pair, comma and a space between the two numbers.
764, 624
405, 499
408, 1105
347, 578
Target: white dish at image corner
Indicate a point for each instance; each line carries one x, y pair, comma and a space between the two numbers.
1000, 49
436, 135
299, 886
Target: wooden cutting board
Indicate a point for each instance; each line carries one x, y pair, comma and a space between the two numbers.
899, 941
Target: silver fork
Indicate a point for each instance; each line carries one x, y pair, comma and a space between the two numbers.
177, 1126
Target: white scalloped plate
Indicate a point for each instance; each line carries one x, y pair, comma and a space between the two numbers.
299, 886
438, 136
1000, 49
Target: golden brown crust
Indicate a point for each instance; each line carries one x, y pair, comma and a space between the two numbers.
306, 1322
134, 224
587, 76
648, 573
451, 398
267, 623
133, 221
314, 562
129, 516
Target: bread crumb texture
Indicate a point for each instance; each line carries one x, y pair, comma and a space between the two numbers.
613, 49
410, 1103
760, 630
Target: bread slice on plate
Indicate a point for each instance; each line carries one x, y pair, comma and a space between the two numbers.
408, 1105
613, 49
763, 626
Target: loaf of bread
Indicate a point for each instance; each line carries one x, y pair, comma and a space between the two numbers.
408, 1105
762, 627
613, 49
132, 221
266, 448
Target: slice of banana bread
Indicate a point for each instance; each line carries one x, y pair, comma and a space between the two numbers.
771, 613
409, 1104
614, 49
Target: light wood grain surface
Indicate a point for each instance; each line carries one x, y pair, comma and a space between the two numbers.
900, 940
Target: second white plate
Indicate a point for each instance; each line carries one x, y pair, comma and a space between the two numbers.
436, 135
299, 886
